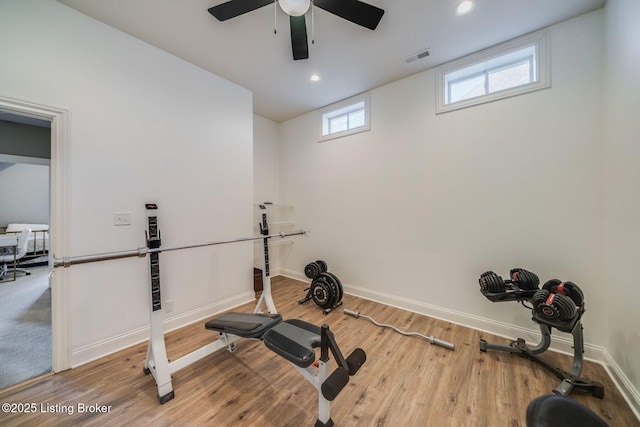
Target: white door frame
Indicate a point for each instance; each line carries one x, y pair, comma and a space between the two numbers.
60, 337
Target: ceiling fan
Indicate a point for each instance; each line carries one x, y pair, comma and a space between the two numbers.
355, 11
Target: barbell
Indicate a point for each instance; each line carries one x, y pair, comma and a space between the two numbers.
142, 252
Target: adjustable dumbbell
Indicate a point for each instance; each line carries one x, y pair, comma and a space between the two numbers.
557, 300
523, 279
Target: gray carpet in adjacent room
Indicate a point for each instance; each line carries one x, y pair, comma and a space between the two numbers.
25, 328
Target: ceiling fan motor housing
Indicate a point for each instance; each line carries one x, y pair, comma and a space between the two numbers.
295, 7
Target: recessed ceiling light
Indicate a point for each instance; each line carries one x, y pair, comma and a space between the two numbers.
314, 78
465, 7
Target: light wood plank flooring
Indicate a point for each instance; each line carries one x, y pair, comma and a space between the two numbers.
405, 381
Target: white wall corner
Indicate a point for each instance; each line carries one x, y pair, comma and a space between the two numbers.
622, 382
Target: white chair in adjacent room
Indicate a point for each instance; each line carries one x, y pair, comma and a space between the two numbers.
7, 258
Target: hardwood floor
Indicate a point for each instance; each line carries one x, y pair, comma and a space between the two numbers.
405, 382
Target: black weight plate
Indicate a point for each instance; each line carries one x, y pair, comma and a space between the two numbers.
330, 279
338, 286
539, 298
574, 292
322, 265
482, 281
565, 306
312, 270
551, 285
531, 279
321, 292
524, 279
491, 282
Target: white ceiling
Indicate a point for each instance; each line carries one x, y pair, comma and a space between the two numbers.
349, 59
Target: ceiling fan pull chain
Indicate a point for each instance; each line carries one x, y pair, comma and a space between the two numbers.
313, 36
275, 17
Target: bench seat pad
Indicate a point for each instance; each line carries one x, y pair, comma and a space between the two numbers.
245, 325
294, 340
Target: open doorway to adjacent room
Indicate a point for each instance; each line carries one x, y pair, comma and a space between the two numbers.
25, 297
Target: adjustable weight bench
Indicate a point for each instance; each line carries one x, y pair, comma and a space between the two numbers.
296, 340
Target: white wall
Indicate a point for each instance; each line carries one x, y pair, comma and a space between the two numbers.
622, 207
144, 126
266, 188
24, 190
266, 160
413, 211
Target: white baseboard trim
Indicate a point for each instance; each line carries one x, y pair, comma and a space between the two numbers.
560, 344
628, 391
89, 353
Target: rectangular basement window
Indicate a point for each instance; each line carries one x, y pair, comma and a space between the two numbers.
345, 118
512, 68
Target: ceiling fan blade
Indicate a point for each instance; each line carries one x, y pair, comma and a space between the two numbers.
353, 10
234, 8
299, 37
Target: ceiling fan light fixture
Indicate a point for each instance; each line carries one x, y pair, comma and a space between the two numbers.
465, 7
295, 7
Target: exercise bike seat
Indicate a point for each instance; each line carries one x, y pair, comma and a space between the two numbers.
294, 340
244, 325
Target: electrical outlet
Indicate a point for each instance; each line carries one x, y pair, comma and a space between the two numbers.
168, 305
122, 218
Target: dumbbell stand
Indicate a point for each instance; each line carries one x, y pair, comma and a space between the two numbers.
570, 379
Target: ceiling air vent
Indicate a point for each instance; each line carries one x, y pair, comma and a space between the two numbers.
416, 56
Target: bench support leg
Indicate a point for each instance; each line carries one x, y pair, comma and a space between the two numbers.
324, 406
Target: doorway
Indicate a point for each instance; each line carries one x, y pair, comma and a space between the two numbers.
25, 297
55, 293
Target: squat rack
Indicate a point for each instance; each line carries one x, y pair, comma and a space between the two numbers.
157, 362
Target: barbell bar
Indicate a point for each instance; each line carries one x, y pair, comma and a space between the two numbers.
142, 252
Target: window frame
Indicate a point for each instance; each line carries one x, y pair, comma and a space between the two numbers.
346, 103
542, 71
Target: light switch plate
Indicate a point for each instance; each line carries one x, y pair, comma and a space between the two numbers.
122, 218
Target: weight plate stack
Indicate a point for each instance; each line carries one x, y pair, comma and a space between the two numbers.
338, 286
326, 290
323, 290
